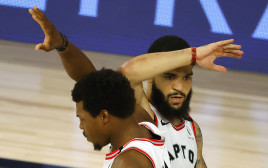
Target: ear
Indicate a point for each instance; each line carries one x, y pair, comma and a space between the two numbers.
105, 117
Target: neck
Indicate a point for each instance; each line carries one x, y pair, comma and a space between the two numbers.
125, 130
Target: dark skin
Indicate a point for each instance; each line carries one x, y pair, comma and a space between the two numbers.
72, 58
129, 159
77, 64
103, 129
118, 129
118, 137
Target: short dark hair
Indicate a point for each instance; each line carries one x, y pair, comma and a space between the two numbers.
168, 43
105, 89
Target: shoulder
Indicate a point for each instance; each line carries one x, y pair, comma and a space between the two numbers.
197, 130
199, 137
132, 159
196, 125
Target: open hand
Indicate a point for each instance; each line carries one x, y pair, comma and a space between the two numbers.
208, 53
53, 38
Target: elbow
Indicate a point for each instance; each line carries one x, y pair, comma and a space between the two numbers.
126, 70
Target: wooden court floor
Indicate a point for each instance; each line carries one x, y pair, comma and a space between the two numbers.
38, 123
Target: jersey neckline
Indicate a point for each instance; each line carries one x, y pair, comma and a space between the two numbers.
155, 142
176, 127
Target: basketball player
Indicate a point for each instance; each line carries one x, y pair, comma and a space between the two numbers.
170, 105
75, 62
169, 92
105, 103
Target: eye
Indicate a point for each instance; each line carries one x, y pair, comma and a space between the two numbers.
169, 77
188, 77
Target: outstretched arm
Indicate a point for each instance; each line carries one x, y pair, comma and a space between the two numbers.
146, 66
75, 62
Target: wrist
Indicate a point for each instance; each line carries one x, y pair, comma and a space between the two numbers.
64, 43
193, 52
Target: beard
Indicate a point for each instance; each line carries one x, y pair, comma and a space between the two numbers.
165, 109
97, 147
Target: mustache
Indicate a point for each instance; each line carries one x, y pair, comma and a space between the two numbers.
176, 94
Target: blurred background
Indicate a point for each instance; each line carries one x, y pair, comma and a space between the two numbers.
37, 116
129, 27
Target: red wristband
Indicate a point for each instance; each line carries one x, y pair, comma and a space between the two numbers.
193, 62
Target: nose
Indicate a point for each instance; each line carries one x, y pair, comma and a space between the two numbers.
178, 86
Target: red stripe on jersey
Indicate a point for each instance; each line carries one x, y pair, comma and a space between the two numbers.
178, 127
113, 154
155, 119
194, 130
141, 151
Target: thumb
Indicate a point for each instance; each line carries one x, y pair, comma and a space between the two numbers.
41, 46
219, 68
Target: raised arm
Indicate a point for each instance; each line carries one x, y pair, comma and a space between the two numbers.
146, 66
75, 62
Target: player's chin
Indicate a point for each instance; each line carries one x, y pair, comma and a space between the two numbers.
176, 106
88, 139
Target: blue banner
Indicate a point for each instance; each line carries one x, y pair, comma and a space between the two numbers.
129, 27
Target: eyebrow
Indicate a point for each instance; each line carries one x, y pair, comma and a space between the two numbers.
189, 74
169, 73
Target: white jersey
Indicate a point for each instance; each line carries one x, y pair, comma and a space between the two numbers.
153, 149
180, 141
